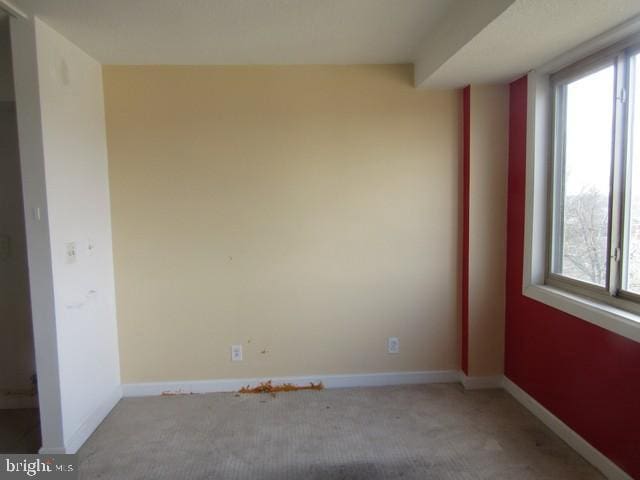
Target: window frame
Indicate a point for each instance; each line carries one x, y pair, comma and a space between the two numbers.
619, 56
632, 50
537, 137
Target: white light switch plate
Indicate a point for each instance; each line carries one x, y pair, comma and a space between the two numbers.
236, 353
71, 253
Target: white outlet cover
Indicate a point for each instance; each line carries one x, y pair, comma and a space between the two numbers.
236, 353
393, 345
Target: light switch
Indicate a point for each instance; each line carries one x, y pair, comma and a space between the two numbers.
236, 353
71, 253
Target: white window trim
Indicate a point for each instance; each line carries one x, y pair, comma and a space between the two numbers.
539, 132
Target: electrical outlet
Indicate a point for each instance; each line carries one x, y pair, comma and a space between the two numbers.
393, 345
236, 353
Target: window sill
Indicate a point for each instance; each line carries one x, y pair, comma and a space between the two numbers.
605, 316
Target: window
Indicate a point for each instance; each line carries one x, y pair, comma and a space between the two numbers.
593, 232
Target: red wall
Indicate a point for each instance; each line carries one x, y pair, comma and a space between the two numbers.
466, 145
585, 375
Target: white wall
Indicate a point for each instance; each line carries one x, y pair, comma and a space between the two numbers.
79, 312
75, 155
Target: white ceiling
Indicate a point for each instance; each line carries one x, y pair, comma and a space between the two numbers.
528, 34
242, 31
451, 42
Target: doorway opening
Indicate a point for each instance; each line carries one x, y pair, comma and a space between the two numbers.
19, 415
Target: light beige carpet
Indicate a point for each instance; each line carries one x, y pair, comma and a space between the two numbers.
412, 432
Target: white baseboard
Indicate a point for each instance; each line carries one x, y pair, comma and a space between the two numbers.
329, 381
480, 383
575, 441
44, 450
14, 402
77, 439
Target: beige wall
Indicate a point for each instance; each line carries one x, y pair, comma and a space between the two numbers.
306, 213
487, 227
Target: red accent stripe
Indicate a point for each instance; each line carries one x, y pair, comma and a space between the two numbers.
466, 133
